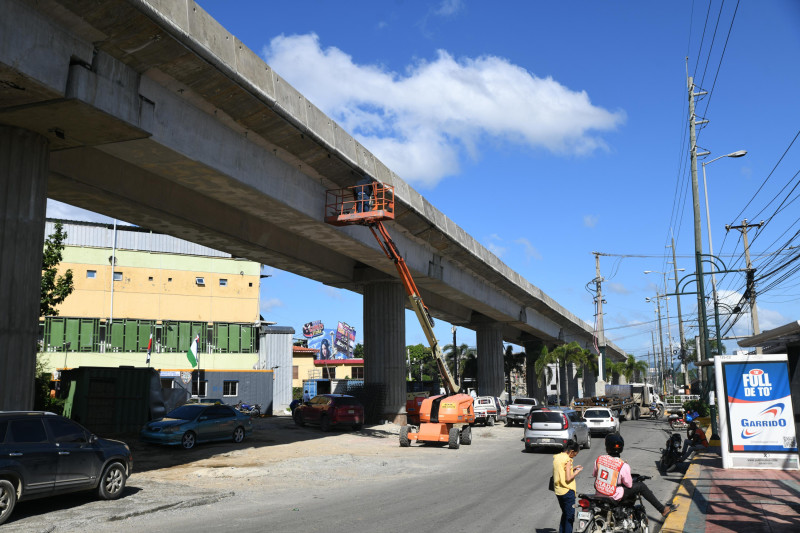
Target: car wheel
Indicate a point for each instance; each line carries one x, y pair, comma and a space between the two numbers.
509, 423
324, 423
8, 499
188, 440
528, 448
466, 436
298, 417
405, 442
356, 427
112, 483
588, 441
455, 438
490, 421
238, 435
636, 413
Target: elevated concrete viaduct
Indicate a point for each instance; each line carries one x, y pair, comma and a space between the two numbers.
151, 112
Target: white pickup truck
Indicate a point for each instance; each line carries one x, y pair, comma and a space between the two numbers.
488, 410
519, 409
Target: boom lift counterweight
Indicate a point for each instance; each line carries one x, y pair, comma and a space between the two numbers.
443, 418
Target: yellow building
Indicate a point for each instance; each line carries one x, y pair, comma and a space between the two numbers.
131, 283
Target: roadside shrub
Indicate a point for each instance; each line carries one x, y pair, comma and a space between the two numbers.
696, 405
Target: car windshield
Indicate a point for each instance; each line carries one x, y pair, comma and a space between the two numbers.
525, 401
545, 416
186, 412
597, 413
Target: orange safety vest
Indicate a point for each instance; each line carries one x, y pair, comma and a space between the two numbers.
608, 469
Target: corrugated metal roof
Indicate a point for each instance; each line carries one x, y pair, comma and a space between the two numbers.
100, 235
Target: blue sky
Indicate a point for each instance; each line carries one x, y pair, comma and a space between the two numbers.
549, 130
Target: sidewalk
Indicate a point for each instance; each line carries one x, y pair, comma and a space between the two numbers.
714, 500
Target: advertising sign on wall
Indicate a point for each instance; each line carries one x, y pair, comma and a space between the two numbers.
333, 344
757, 420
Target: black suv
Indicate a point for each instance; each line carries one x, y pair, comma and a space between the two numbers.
43, 454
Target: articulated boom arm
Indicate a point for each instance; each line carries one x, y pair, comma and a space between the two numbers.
414, 298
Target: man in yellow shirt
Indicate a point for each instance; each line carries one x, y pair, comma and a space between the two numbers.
564, 474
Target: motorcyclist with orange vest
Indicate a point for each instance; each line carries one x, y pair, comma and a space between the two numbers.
613, 477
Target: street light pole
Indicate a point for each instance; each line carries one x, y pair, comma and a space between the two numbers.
739, 153
684, 370
660, 335
669, 330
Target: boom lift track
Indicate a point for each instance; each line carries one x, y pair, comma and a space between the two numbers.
443, 418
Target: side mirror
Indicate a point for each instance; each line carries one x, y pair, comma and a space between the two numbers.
92, 438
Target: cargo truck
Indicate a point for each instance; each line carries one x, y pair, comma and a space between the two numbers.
631, 401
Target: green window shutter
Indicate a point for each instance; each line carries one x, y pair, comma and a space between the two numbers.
184, 336
171, 342
87, 335
222, 337
56, 338
131, 335
117, 335
144, 334
73, 333
235, 333
247, 339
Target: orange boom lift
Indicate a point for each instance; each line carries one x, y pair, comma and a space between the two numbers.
444, 417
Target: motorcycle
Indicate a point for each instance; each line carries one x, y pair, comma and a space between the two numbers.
655, 412
599, 514
677, 422
252, 410
671, 452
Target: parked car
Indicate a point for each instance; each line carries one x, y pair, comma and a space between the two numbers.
194, 423
602, 420
489, 410
44, 454
554, 426
328, 410
518, 410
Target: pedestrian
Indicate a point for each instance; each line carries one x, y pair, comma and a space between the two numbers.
564, 474
695, 442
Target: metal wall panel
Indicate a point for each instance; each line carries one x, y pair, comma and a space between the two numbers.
275, 352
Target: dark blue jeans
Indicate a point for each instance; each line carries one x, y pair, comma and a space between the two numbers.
566, 503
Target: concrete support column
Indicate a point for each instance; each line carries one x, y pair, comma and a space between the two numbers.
24, 159
533, 349
491, 377
385, 347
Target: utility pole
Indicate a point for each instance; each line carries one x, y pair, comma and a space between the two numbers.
698, 241
655, 360
751, 285
601, 337
680, 318
455, 354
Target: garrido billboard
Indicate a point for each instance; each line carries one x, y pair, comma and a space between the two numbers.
757, 421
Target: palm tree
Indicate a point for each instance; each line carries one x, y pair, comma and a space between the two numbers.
630, 367
589, 363
455, 356
569, 354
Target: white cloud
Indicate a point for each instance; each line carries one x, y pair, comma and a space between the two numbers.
423, 121
617, 288
449, 7
332, 292
270, 304
590, 221
530, 250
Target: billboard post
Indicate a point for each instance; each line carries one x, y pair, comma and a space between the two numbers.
756, 416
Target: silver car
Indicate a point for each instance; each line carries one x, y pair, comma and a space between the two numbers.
554, 426
602, 420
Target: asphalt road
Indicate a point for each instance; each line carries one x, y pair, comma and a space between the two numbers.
492, 485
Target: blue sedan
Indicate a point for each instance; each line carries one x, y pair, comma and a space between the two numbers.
199, 422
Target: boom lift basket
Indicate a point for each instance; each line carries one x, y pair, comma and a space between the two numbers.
359, 204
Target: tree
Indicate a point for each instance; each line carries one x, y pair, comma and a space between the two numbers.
422, 365
630, 367
358, 351
461, 351
511, 362
569, 354
55, 288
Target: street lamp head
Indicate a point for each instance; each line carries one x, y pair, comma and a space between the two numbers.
648, 271
739, 153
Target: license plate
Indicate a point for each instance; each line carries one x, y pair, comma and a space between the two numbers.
582, 515
544, 440
350, 411
596, 422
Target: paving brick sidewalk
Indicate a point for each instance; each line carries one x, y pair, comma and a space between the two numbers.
714, 500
